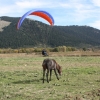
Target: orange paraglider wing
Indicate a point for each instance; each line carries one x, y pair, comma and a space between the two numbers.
42, 14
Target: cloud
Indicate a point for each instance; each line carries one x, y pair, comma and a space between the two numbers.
96, 2
30, 4
77, 8
37, 4
95, 24
5, 10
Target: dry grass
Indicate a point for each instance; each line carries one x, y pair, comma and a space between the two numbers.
76, 53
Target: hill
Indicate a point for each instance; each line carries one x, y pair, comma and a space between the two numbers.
34, 33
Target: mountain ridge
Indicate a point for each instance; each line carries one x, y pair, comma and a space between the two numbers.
34, 33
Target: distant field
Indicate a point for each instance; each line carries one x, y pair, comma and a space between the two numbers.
21, 78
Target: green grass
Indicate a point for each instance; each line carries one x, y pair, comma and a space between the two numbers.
21, 79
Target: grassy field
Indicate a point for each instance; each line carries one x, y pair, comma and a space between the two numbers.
21, 78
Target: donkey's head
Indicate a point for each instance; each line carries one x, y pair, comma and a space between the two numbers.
59, 68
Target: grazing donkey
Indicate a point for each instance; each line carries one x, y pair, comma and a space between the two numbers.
49, 65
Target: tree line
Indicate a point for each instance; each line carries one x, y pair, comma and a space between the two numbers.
34, 50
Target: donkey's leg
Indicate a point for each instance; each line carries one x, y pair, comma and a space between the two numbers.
43, 75
56, 74
47, 75
50, 74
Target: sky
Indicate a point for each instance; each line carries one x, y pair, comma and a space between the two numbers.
64, 12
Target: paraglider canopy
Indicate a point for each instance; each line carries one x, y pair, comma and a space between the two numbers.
43, 14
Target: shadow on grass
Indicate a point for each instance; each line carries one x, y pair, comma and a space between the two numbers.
28, 81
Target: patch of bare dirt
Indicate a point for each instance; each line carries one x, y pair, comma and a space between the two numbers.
3, 24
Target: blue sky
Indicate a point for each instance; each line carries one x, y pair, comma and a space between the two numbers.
64, 12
